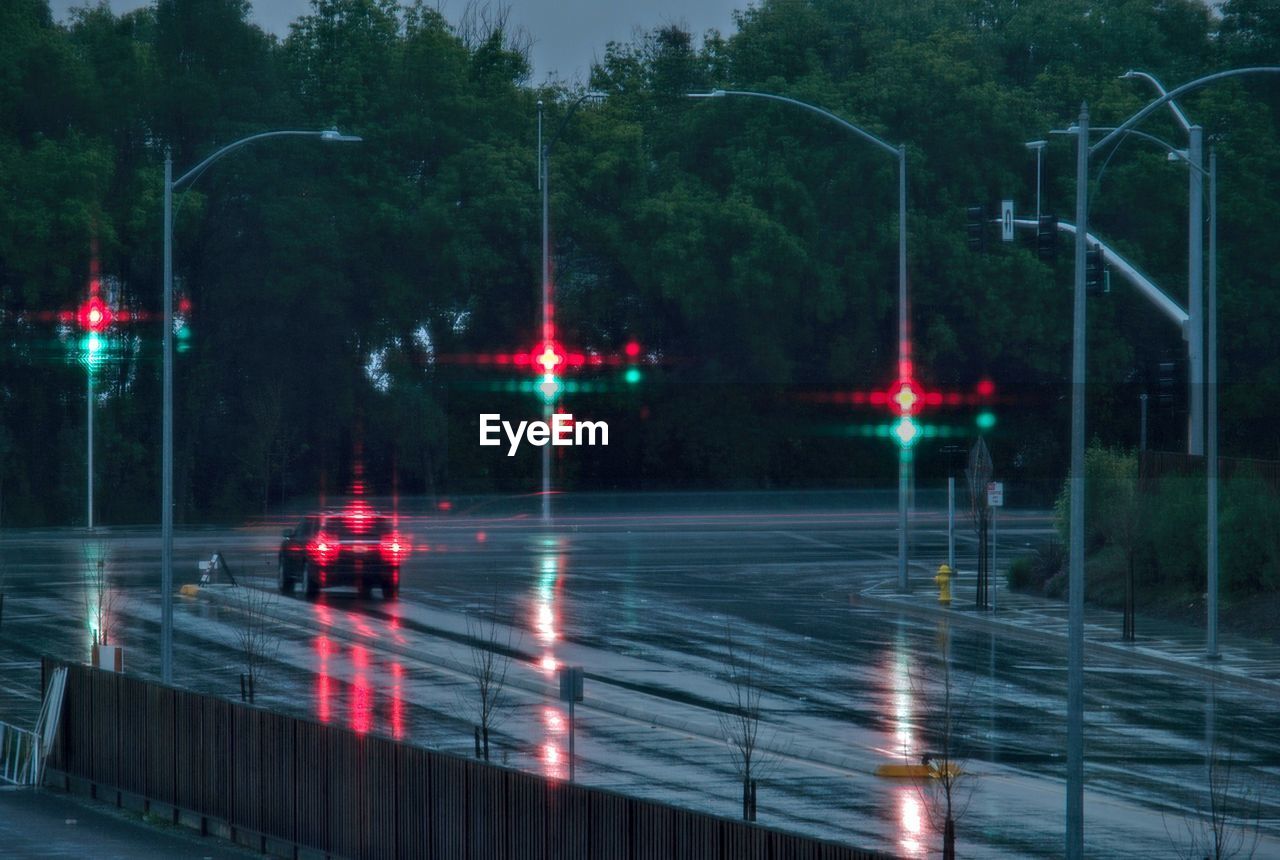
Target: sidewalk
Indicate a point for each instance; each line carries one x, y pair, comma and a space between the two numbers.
40, 823
1178, 648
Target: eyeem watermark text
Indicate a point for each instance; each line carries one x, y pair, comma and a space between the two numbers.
562, 430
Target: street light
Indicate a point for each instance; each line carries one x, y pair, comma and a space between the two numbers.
166, 495
1195, 265
1074, 836
905, 371
549, 387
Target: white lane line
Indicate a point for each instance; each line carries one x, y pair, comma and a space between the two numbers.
809, 540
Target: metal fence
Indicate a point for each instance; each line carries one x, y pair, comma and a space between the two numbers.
19, 755
1155, 465
265, 776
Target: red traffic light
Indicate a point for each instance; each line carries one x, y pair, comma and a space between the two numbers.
905, 396
94, 315
548, 357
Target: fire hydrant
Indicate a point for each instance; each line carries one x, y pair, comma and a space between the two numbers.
944, 583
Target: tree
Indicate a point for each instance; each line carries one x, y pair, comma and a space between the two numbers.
491, 649
1228, 813
978, 475
946, 790
254, 634
101, 601
741, 723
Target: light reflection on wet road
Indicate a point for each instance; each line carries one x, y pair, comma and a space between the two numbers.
645, 603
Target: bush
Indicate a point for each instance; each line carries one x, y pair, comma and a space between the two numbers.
1020, 574
1249, 536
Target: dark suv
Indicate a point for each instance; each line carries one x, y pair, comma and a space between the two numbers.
357, 546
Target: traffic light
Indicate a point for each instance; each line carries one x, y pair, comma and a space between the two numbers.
94, 316
1167, 384
1047, 238
905, 398
547, 358
986, 418
632, 375
1095, 275
977, 228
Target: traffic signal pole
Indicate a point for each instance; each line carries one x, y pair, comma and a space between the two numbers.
905, 371
89, 441
1075, 568
166, 444
543, 181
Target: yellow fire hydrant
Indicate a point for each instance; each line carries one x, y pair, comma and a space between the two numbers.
944, 583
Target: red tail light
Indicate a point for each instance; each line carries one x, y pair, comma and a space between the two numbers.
395, 548
323, 548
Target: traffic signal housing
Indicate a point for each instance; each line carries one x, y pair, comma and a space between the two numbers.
1047, 238
976, 227
1095, 272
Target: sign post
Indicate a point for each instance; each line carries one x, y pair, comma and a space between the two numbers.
995, 499
571, 691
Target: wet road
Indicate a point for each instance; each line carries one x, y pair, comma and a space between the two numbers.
647, 596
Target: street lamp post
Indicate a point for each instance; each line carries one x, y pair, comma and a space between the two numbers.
548, 321
1075, 584
1194, 334
166, 467
905, 370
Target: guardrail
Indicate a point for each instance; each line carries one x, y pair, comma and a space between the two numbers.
271, 781
19, 755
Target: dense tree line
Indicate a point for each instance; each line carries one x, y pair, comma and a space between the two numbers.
751, 249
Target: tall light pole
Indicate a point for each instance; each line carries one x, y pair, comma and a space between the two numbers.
1195, 266
550, 392
905, 370
166, 466
1211, 420
1075, 570
1075, 583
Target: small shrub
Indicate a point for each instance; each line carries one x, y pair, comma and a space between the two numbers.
1020, 575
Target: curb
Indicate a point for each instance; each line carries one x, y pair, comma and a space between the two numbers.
1205, 671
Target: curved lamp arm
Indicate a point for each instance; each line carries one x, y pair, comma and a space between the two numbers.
865, 135
1174, 93
331, 134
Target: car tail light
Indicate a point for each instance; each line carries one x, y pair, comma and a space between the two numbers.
395, 548
323, 548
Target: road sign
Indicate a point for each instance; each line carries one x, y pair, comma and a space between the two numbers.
1006, 220
571, 684
995, 494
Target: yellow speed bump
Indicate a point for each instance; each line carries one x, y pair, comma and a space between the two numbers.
189, 590
916, 771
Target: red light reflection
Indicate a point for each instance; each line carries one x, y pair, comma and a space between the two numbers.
397, 701
911, 819
361, 692
323, 692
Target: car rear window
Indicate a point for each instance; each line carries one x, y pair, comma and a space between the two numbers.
366, 527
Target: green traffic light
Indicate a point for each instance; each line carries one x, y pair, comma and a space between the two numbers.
906, 432
986, 420
632, 376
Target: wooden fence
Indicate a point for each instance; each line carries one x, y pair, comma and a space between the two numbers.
274, 781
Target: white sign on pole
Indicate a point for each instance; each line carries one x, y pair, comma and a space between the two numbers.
995, 494
1006, 220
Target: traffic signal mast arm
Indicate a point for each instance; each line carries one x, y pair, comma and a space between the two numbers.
1130, 272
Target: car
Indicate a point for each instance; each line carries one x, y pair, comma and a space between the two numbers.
356, 546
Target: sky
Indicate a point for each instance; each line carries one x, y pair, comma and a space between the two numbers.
567, 35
